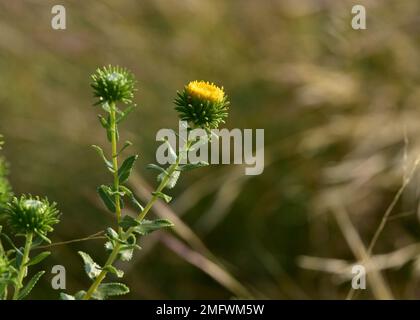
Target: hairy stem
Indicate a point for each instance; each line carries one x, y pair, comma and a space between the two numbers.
23, 267
115, 164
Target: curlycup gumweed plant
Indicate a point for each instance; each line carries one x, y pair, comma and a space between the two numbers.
202, 105
31, 218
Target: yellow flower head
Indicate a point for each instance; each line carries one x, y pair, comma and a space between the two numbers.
205, 90
202, 104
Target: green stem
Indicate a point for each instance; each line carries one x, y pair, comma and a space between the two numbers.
115, 164
103, 273
161, 186
126, 235
23, 268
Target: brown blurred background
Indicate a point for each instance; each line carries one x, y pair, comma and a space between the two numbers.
341, 118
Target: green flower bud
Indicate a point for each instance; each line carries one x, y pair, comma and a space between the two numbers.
113, 84
29, 214
203, 104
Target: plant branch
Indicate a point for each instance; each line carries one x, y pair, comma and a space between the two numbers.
23, 268
111, 259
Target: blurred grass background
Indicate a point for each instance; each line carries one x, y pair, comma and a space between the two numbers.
340, 113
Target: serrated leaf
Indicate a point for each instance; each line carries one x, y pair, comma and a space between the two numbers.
148, 226
109, 246
30, 285
106, 290
162, 196
38, 258
65, 296
108, 200
112, 234
172, 179
101, 153
191, 166
92, 269
126, 254
113, 270
125, 170
126, 251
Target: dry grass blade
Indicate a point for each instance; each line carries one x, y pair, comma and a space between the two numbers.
379, 287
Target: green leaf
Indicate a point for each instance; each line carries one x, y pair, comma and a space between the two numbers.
108, 163
148, 226
109, 134
92, 269
65, 296
125, 169
126, 251
80, 294
42, 236
133, 199
108, 200
6, 237
126, 112
103, 121
111, 234
128, 221
152, 166
37, 241
126, 254
30, 285
172, 180
38, 258
162, 196
126, 145
117, 134
106, 290
191, 166
113, 270
109, 246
